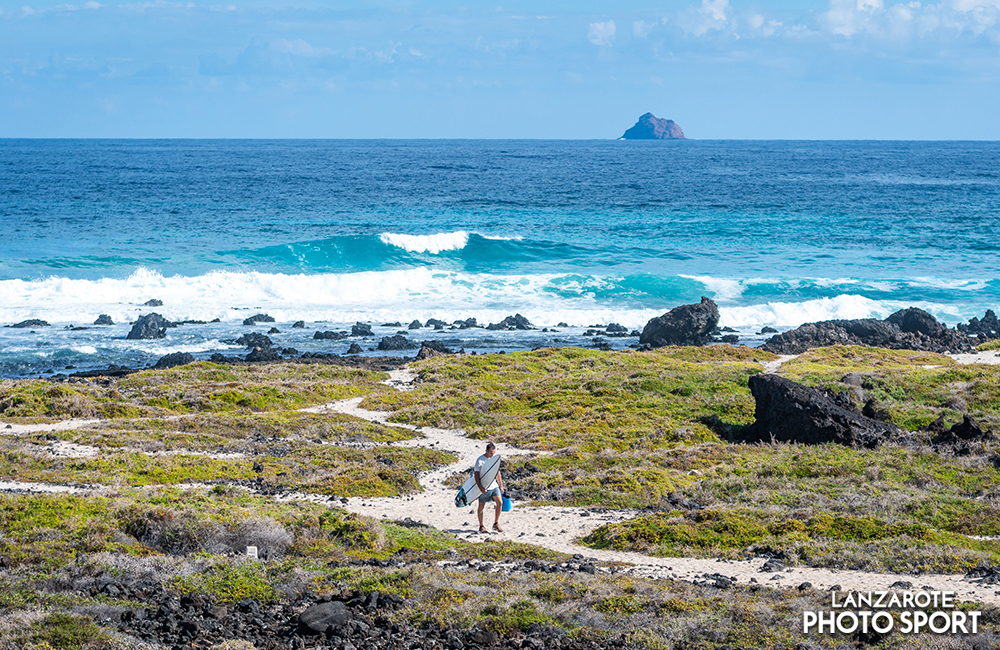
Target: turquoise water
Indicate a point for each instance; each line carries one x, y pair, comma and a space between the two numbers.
580, 232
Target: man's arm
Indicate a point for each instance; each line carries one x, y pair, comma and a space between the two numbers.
500, 481
480, 483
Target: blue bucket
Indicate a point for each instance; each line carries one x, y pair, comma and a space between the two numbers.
506, 503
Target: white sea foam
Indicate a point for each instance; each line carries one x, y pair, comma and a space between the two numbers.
433, 244
84, 349
402, 295
846, 306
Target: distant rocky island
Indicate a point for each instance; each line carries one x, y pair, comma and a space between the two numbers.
650, 127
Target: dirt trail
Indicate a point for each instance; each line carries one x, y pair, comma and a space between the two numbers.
559, 528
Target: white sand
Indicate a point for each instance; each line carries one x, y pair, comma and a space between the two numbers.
991, 358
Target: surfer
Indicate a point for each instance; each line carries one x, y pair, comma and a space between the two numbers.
491, 493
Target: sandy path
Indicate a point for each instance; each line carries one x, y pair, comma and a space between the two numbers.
558, 528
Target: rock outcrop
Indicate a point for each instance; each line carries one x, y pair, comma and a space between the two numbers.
684, 325
515, 322
150, 326
988, 328
174, 359
31, 322
255, 340
104, 319
790, 412
962, 439
361, 329
650, 127
395, 342
907, 329
329, 336
258, 318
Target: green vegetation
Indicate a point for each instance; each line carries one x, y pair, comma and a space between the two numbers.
197, 387
60, 631
915, 387
989, 345
561, 397
626, 430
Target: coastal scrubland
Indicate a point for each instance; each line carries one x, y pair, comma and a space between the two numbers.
170, 474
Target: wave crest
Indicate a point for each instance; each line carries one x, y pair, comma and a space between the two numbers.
433, 244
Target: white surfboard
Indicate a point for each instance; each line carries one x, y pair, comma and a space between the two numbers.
469, 492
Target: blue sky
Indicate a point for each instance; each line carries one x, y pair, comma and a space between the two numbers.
831, 69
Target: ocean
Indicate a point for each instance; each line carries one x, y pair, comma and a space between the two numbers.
581, 233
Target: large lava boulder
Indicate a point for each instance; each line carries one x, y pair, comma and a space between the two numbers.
395, 342
684, 325
515, 322
104, 319
255, 340
907, 329
361, 329
318, 618
31, 322
174, 359
790, 412
150, 326
258, 318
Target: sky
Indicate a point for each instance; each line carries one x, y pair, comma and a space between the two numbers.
722, 69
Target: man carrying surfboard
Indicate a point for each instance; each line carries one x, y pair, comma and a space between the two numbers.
490, 493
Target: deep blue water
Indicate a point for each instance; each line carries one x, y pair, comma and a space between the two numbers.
583, 232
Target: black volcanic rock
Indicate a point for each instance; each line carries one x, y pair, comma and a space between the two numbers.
150, 326
414, 325
395, 342
650, 127
174, 359
683, 325
354, 349
153, 302
329, 336
316, 619
258, 318
515, 322
31, 322
790, 412
298, 325
263, 354
907, 329
255, 340
104, 319
361, 329
987, 328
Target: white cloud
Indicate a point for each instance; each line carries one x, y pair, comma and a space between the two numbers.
717, 9
712, 14
27, 11
905, 20
300, 48
388, 54
601, 33
415, 52
92, 5
641, 29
